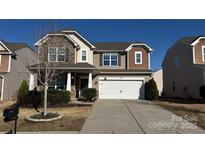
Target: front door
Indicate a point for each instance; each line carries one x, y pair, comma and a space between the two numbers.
83, 84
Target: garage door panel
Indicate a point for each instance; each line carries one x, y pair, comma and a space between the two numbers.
121, 89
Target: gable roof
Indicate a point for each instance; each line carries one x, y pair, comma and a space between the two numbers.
13, 46
185, 42
80, 37
56, 34
188, 39
125, 46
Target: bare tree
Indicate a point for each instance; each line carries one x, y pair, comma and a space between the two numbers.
46, 71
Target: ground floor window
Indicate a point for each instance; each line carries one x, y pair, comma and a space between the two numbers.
58, 83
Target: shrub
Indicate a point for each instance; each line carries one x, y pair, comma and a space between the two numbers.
56, 97
89, 94
23, 93
202, 91
151, 91
34, 98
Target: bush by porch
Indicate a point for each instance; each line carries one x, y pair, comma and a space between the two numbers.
32, 98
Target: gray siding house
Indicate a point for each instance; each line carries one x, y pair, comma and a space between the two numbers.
14, 60
184, 68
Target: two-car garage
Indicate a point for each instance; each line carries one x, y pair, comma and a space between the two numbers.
121, 88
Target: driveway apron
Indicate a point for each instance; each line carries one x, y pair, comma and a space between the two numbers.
134, 117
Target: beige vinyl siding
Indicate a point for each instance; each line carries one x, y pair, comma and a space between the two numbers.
83, 46
97, 61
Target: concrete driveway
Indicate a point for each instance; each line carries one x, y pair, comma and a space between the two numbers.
135, 117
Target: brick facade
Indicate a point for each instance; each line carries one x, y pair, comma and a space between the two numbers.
198, 51
4, 63
131, 59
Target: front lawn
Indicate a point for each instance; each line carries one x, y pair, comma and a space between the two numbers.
73, 119
192, 111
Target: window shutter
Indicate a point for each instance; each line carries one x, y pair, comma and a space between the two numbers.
101, 59
119, 59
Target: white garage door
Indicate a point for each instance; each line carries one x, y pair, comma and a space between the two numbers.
121, 89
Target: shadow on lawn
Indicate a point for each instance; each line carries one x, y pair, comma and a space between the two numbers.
179, 100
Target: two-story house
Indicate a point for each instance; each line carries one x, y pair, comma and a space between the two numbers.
184, 69
14, 60
118, 70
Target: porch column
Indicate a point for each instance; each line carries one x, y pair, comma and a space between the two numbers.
90, 81
68, 85
31, 82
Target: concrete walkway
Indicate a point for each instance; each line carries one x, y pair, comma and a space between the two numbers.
135, 117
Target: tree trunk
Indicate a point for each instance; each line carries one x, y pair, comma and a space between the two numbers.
45, 91
45, 99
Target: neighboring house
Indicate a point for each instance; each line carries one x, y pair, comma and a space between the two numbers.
184, 69
158, 78
14, 60
117, 70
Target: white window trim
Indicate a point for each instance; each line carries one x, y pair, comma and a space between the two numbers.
81, 55
202, 52
9, 67
149, 60
0, 59
138, 52
193, 52
110, 59
56, 60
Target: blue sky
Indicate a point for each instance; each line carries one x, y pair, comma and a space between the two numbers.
159, 34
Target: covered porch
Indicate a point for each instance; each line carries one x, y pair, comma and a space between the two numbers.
72, 77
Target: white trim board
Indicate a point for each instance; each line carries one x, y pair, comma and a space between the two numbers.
139, 44
197, 40
202, 52
193, 54
64, 31
9, 66
149, 63
121, 78
5, 47
44, 38
138, 52
81, 52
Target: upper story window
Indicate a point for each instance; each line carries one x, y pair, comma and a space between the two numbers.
203, 53
83, 55
138, 57
110, 59
56, 54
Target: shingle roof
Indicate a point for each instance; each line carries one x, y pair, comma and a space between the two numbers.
187, 40
79, 67
113, 45
13, 46
64, 65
